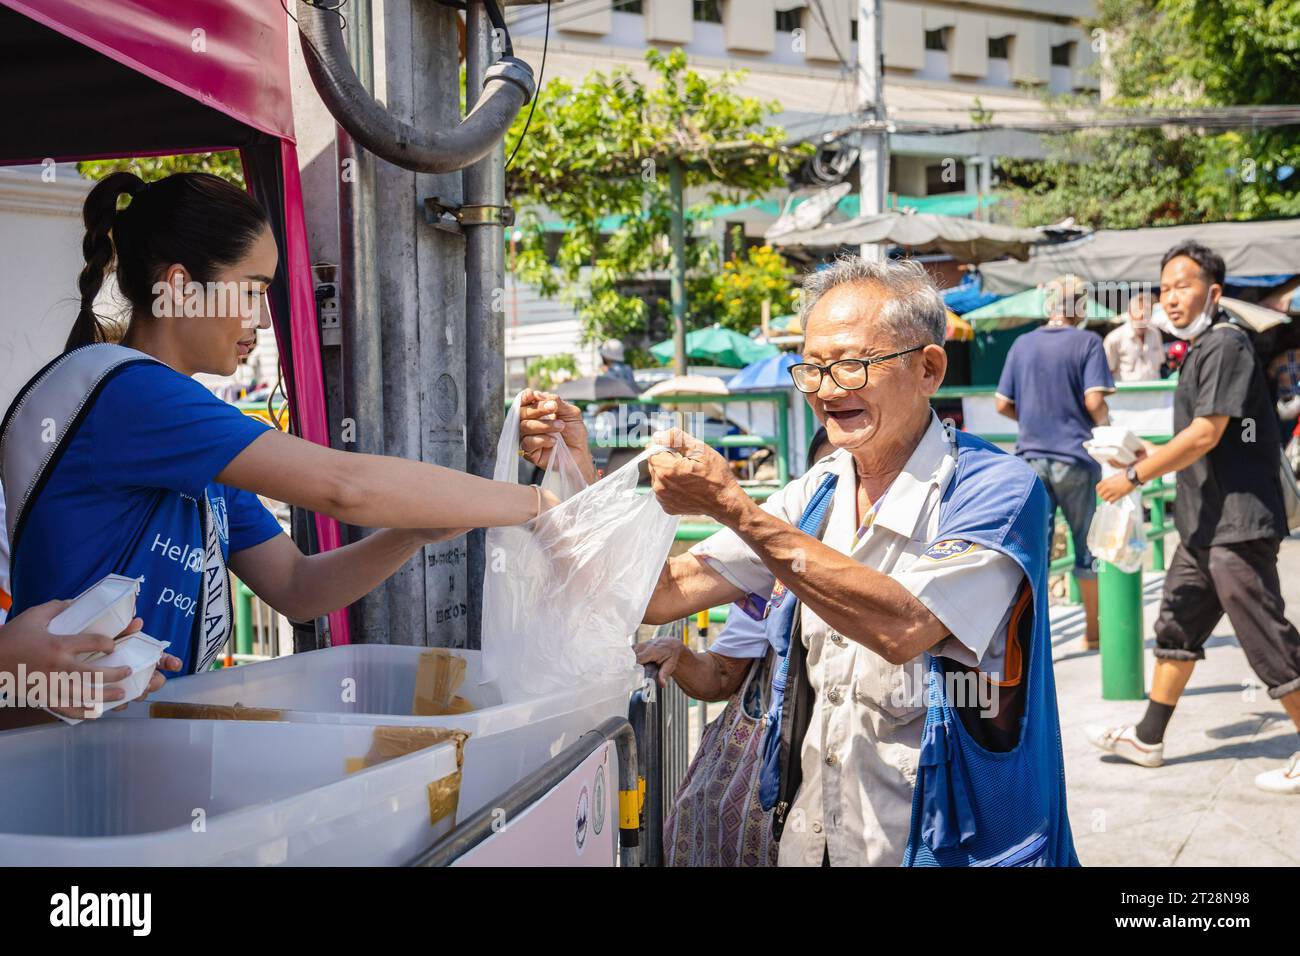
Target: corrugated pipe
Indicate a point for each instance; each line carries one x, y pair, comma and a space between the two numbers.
507, 86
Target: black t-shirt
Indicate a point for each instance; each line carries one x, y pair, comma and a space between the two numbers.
1233, 493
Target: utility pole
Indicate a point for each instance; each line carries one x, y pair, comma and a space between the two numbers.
679, 263
421, 279
873, 158
485, 373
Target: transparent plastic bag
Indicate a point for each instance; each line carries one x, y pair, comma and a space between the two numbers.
1117, 534
564, 593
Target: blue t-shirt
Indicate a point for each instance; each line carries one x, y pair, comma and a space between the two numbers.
1047, 373
125, 497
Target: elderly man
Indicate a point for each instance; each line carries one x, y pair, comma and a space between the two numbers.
1135, 350
933, 558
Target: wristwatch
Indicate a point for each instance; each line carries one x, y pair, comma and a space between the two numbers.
1131, 473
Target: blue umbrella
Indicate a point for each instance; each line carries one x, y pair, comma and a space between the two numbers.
765, 374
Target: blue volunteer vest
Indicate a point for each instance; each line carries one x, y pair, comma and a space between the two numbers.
972, 807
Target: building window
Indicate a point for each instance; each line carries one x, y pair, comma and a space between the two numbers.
628, 6
946, 177
707, 11
853, 30
999, 48
1063, 54
787, 21
936, 39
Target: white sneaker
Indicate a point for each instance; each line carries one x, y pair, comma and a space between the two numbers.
1283, 779
1123, 742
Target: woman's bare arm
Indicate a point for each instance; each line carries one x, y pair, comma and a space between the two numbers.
376, 491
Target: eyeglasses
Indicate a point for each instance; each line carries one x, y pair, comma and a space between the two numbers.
848, 374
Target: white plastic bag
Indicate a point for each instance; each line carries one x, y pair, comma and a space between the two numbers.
1117, 534
564, 593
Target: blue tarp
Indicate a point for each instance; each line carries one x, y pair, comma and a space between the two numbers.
967, 295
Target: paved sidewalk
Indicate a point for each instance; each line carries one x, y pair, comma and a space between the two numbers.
1201, 808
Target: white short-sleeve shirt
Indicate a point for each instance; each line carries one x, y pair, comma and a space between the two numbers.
859, 757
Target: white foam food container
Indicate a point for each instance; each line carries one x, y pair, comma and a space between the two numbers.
138, 651
105, 607
213, 792
374, 684
141, 653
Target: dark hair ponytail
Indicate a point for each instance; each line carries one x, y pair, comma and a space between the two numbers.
98, 214
201, 221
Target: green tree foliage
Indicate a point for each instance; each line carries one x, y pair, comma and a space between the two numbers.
225, 164
596, 159
733, 297
1168, 54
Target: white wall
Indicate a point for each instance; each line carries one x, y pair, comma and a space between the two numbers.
40, 259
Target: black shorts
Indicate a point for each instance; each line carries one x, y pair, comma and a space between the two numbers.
1241, 580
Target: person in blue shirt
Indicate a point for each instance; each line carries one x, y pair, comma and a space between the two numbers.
1054, 384
154, 472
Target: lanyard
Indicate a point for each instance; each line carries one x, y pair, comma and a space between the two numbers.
870, 518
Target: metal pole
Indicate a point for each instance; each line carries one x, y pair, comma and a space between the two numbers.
873, 160
362, 343
1158, 528
1119, 619
678, 265
484, 185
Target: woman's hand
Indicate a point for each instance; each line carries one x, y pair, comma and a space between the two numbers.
544, 417
168, 662
26, 640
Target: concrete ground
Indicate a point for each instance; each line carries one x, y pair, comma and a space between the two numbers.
1201, 808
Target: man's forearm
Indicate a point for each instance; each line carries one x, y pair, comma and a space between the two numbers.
700, 675
862, 604
1188, 446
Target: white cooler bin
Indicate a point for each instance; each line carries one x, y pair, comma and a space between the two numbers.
367, 684
204, 792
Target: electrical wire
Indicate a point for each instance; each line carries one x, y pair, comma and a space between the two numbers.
537, 94
321, 6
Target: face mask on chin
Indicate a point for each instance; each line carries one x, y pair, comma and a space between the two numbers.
1190, 331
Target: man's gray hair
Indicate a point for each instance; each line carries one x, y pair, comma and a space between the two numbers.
914, 310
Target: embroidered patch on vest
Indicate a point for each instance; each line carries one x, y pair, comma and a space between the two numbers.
948, 548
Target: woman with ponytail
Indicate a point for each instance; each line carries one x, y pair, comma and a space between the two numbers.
116, 461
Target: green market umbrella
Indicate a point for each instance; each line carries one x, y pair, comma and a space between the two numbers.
717, 346
1023, 308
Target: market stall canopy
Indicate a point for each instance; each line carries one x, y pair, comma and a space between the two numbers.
1023, 308
125, 78
765, 375
1259, 318
1266, 247
958, 329
596, 388
719, 346
966, 240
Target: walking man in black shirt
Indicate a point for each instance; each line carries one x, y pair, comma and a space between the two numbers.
1229, 514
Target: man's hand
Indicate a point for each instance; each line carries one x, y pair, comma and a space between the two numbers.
1114, 488
694, 479
664, 651
544, 417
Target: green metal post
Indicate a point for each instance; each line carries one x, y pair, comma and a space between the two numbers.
1119, 619
243, 619
1158, 527
678, 292
783, 441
